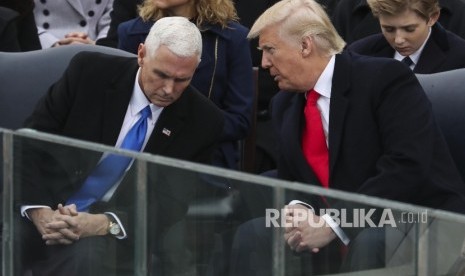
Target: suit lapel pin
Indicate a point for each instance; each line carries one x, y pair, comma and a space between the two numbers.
166, 131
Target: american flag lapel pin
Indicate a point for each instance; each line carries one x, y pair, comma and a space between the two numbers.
166, 131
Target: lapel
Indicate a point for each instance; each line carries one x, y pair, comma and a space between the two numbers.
117, 97
433, 54
170, 124
338, 107
291, 133
76, 4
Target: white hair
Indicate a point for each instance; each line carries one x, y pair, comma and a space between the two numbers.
181, 36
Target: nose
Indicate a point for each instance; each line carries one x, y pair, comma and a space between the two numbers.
266, 63
399, 39
168, 86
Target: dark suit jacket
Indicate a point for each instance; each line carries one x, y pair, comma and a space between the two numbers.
232, 89
443, 51
89, 103
383, 140
123, 10
353, 18
23, 23
8, 31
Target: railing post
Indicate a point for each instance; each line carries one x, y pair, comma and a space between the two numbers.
423, 248
140, 244
279, 267
8, 192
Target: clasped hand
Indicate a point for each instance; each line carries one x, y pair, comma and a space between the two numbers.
74, 38
66, 225
306, 231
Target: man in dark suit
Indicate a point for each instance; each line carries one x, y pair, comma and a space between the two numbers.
353, 19
411, 30
346, 122
123, 10
100, 98
17, 20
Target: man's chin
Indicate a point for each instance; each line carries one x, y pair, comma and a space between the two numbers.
161, 103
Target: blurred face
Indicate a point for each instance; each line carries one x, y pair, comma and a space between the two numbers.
406, 32
283, 60
164, 76
175, 7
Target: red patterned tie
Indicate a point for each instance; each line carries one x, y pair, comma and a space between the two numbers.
314, 141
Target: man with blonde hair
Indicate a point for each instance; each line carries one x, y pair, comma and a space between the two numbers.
345, 122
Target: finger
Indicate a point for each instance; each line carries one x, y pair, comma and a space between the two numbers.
63, 210
57, 224
315, 250
59, 242
69, 234
52, 236
69, 220
294, 240
69, 210
76, 34
289, 224
302, 246
72, 209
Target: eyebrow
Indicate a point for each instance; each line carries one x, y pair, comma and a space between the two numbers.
400, 27
265, 48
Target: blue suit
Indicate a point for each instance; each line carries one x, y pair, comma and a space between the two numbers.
232, 83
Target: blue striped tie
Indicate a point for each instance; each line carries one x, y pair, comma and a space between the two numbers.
111, 168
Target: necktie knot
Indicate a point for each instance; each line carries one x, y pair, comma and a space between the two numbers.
146, 112
312, 97
407, 60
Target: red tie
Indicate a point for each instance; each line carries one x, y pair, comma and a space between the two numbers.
314, 141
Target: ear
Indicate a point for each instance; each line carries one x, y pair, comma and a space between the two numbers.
433, 18
306, 46
141, 54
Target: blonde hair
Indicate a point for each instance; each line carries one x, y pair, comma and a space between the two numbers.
423, 8
298, 19
205, 11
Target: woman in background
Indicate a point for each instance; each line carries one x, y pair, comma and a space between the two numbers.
225, 73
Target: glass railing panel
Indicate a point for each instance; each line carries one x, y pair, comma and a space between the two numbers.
46, 172
201, 208
192, 219
386, 237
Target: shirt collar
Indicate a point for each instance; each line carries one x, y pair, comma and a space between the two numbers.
325, 81
138, 99
415, 56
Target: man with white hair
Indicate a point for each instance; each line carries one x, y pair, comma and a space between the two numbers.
345, 122
81, 230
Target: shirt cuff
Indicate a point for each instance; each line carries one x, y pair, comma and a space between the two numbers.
118, 221
336, 229
24, 208
330, 221
294, 202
